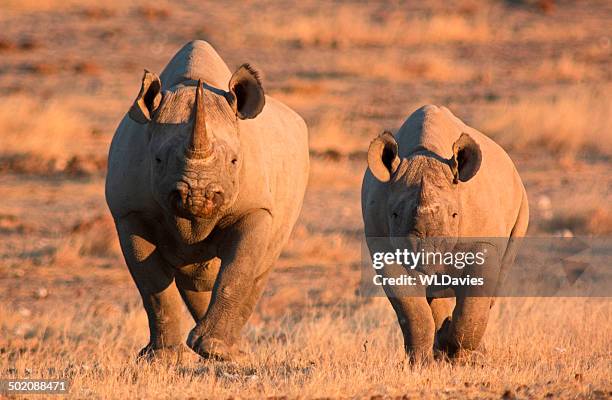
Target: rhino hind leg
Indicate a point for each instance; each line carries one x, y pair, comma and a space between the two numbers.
197, 302
442, 311
467, 327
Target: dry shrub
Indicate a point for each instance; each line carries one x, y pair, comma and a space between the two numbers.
580, 120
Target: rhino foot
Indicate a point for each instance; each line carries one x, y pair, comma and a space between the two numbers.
169, 354
213, 349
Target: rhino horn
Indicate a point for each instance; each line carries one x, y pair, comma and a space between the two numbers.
201, 142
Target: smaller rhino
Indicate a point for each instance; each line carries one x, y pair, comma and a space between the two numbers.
438, 178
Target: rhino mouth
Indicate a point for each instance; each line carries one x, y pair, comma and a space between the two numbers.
203, 203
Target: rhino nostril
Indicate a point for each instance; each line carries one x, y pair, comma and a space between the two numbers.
213, 191
177, 199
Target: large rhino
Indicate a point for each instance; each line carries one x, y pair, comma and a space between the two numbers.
436, 183
206, 178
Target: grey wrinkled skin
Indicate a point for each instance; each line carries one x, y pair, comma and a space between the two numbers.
439, 178
205, 189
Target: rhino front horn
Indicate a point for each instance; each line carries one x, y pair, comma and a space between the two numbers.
201, 142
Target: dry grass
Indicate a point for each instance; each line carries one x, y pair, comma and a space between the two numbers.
579, 121
95, 237
36, 5
364, 25
566, 68
29, 6
47, 137
412, 67
333, 248
531, 351
597, 221
333, 133
349, 25
48, 128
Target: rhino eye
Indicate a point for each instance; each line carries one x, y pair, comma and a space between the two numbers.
234, 161
455, 215
158, 160
394, 215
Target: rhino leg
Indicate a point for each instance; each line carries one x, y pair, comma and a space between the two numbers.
471, 314
236, 290
417, 324
441, 309
467, 327
155, 282
197, 302
413, 314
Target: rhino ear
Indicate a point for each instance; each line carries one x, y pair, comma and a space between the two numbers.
382, 156
246, 95
466, 158
147, 100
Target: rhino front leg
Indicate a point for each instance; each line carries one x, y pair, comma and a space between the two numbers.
471, 314
236, 290
155, 282
418, 327
413, 315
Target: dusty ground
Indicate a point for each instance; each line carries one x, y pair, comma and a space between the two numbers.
535, 77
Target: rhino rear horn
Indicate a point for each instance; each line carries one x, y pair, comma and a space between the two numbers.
147, 100
466, 158
382, 156
246, 95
